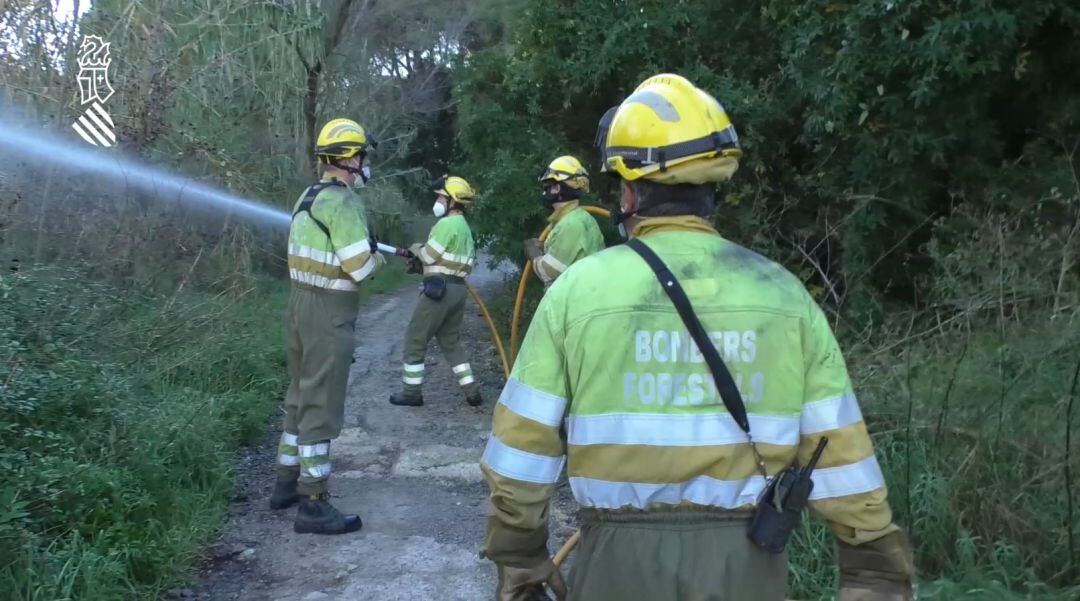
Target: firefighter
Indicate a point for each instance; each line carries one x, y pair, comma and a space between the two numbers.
574, 234
446, 260
330, 255
609, 384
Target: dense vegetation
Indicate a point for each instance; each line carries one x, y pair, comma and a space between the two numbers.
119, 415
913, 162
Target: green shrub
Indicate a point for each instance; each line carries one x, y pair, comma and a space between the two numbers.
119, 416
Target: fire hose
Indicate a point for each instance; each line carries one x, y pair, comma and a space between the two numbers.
525, 273
407, 254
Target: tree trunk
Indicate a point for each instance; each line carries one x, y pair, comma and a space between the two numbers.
311, 101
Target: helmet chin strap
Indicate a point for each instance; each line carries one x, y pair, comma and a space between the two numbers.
360, 173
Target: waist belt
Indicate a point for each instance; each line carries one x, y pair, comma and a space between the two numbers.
673, 515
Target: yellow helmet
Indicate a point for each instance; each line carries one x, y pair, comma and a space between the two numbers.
454, 188
340, 139
566, 169
670, 132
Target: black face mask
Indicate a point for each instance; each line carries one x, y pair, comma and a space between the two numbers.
549, 199
565, 194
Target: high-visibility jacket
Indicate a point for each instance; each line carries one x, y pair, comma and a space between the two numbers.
574, 235
340, 261
449, 249
608, 358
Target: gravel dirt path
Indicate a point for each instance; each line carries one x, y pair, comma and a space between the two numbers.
411, 473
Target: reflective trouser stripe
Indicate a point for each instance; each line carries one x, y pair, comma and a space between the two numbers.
288, 452
412, 373
464, 374
315, 460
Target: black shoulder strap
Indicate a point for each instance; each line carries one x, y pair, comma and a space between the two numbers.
724, 383
309, 199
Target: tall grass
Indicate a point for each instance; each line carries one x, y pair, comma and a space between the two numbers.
119, 413
968, 400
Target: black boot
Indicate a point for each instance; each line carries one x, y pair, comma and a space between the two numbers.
474, 400
317, 516
406, 401
284, 494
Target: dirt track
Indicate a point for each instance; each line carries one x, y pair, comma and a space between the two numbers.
411, 473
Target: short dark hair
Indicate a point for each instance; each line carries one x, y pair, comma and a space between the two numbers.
662, 200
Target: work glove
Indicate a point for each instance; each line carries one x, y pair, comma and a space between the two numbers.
527, 584
414, 265
879, 570
534, 249
415, 249
522, 562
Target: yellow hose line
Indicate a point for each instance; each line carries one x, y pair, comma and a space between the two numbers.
567, 547
525, 272
516, 321
491, 326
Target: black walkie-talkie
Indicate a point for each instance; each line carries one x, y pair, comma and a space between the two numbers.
780, 506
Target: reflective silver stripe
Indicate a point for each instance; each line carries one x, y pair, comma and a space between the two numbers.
321, 470
520, 465
554, 263
862, 476
466, 380
354, 249
288, 460
413, 381
436, 246
315, 450
289, 439
533, 404
457, 369
445, 271
425, 256
315, 254
659, 105
703, 490
365, 269
319, 281
667, 430
830, 414
441, 250
412, 366
843, 480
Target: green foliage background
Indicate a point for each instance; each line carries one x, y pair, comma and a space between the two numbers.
864, 123
915, 164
